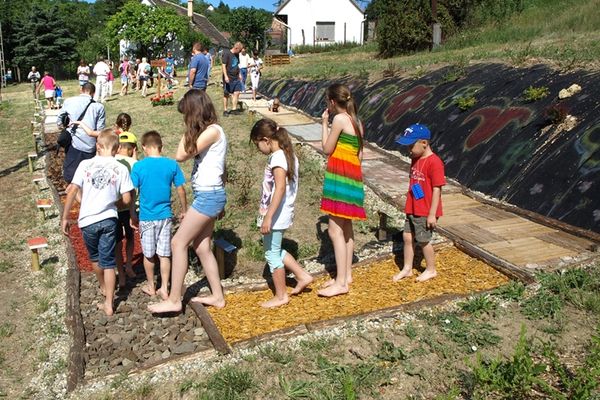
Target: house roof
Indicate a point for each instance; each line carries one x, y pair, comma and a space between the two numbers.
199, 20
286, 2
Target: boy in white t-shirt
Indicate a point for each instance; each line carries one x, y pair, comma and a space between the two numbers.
102, 181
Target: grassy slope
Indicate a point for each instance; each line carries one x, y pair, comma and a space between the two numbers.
563, 33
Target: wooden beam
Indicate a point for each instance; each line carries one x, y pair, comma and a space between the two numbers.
497, 263
217, 340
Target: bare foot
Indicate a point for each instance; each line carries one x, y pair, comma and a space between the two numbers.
302, 284
332, 281
165, 307
163, 293
106, 307
405, 273
275, 302
426, 275
130, 272
148, 290
333, 290
209, 301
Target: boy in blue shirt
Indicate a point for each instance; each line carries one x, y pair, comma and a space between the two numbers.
153, 177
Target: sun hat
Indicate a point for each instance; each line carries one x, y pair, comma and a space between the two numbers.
413, 133
127, 137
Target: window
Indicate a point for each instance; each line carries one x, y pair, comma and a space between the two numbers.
325, 31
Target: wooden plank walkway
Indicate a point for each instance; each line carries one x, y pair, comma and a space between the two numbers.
516, 244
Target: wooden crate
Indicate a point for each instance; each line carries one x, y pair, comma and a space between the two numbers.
277, 59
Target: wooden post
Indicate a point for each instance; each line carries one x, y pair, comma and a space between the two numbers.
30, 158
42, 205
34, 244
220, 256
382, 230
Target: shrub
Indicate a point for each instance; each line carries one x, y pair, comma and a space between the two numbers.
308, 48
464, 103
532, 94
403, 26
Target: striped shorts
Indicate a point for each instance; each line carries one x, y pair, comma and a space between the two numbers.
156, 237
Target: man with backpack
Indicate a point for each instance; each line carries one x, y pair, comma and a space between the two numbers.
83, 146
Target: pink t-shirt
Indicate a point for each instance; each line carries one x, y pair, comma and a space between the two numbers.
48, 82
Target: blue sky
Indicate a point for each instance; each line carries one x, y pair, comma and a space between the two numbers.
266, 4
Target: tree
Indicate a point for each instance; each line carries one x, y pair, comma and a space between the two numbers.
248, 26
43, 40
220, 17
151, 28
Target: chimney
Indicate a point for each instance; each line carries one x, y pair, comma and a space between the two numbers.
190, 9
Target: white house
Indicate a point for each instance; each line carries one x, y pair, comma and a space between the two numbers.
320, 22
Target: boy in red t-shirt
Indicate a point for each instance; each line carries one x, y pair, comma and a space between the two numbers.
423, 201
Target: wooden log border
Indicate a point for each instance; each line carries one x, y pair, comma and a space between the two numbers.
213, 332
73, 318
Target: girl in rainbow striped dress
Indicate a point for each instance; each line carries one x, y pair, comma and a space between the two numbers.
343, 191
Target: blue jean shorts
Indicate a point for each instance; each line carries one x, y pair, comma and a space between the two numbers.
234, 85
100, 240
210, 202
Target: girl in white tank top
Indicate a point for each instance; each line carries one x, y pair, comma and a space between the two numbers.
206, 142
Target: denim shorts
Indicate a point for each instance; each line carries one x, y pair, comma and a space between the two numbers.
100, 239
210, 202
234, 85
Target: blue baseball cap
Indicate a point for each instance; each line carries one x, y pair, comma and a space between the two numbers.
413, 133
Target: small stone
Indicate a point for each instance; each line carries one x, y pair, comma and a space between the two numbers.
186, 347
101, 321
125, 309
198, 332
127, 362
165, 354
114, 362
115, 338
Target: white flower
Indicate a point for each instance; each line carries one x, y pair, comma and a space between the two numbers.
447, 321
474, 348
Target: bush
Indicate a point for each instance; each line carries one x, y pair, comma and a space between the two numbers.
405, 26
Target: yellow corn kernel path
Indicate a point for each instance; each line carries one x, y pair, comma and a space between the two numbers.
372, 289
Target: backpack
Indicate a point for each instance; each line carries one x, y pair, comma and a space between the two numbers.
147, 68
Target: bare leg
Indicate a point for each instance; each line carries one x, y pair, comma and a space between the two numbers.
349, 238
129, 255
110, 279
234, 100
165, 273
192, 225
210, 266
409, 255
100, 276
302, 277
281, 296
119, 259
225, 103
149, 287
430, 271
336, 233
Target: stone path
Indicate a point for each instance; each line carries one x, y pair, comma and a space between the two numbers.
518, 242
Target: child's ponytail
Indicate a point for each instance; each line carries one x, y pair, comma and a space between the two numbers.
343, 97
267, 128
124, 122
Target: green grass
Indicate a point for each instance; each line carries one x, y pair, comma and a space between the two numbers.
563, 32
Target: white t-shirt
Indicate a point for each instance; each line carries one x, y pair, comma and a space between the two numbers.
141, 69
284, 216
255, 67
102, 181
244, 59
101, 69
83, 72
209, 165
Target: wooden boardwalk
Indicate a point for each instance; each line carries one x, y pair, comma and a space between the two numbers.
518, 245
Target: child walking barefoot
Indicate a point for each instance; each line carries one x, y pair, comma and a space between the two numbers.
279, 188
423, 200
205, 141
343, 191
